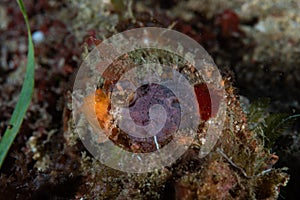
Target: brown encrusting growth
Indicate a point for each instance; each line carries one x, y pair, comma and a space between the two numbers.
239, 167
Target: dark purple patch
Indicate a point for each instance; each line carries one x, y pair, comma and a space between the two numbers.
147, 96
